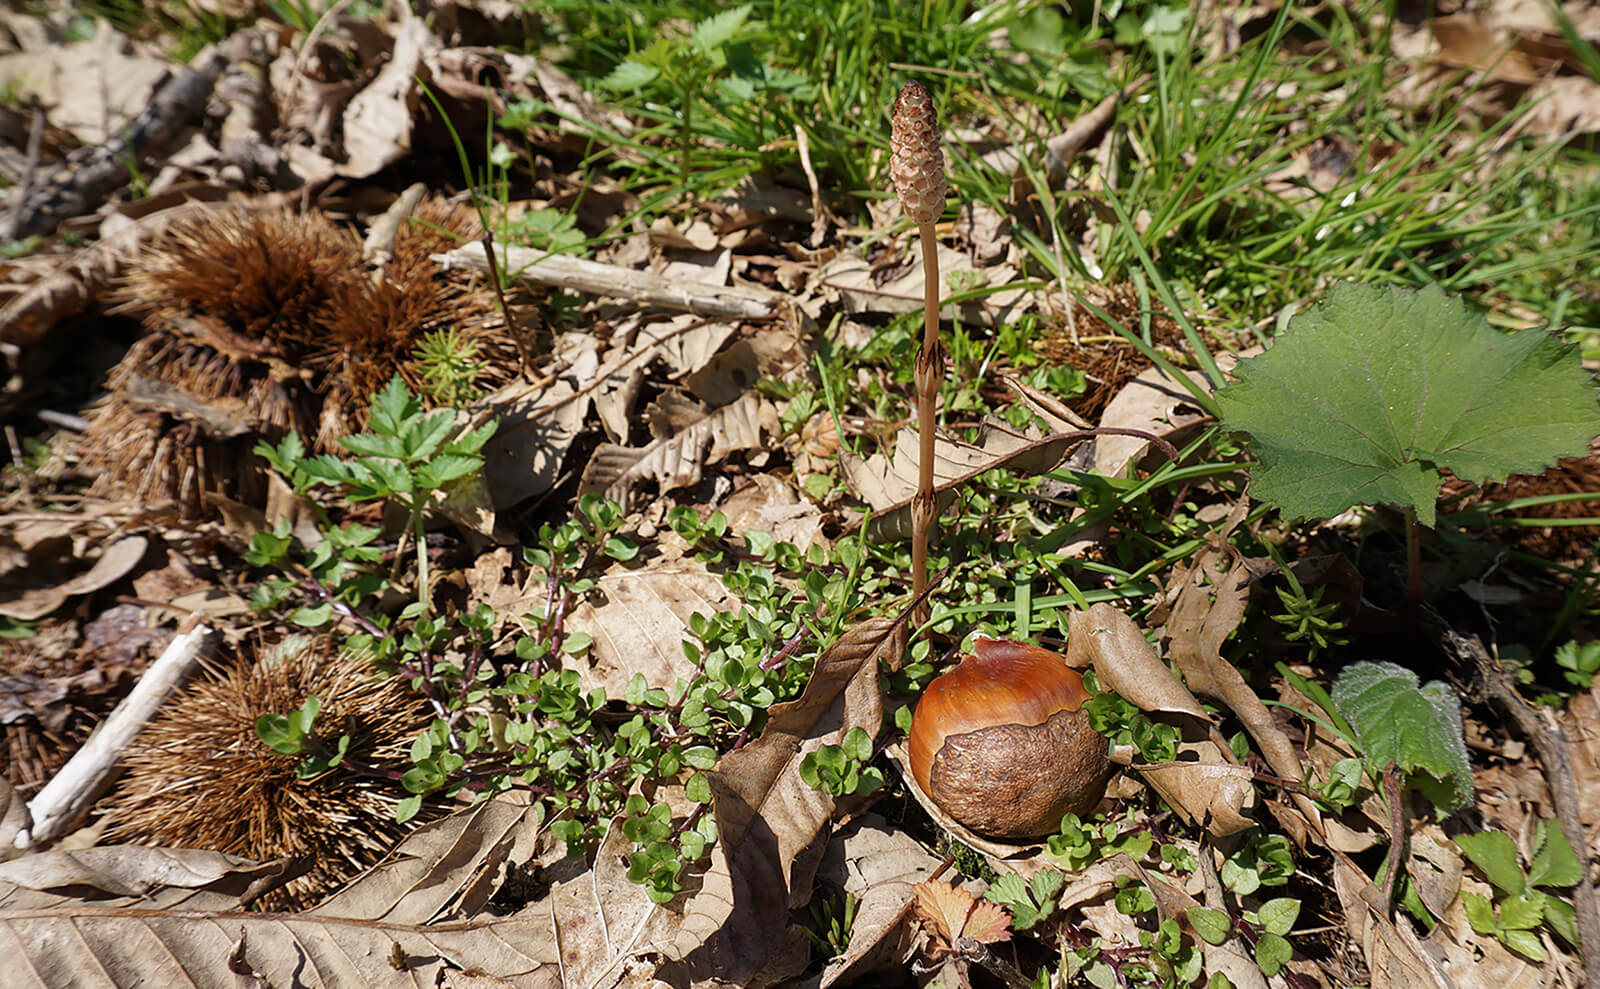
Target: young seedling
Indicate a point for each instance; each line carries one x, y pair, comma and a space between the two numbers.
917, 167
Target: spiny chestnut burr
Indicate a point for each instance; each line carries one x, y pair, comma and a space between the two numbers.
916, 159
1002, 743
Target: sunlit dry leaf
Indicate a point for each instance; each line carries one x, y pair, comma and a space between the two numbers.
639, 618
537, 425
601, 919
1126, 662
378, 120
1212, 590
13, 818
445, 870
857, 282
1216, 795
677, 461
130, 876
1152, 403
889, 484
880, 867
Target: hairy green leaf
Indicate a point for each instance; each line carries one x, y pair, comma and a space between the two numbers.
1369, 396
1416, 728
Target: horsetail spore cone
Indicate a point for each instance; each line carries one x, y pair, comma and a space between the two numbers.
916, 164
916, 161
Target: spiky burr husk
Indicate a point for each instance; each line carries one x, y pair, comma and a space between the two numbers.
199, 777
916, 160
917, 167
273, 319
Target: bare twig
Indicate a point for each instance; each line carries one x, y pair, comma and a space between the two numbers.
593, 278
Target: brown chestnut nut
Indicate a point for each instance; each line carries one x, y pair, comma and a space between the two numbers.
1002, 743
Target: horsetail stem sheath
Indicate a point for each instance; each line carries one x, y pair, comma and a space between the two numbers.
916, 164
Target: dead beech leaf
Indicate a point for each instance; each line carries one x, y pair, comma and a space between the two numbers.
130, 876
444, 870
677, 461
1214, 795
93, 87
858, 284
889, 484
768, 818
1126, 662
1152, 403
114, 564
1212, 590
1394, 955
881, 867
951, 913
537, 426
601, 919
378, 120
13, 818
639, 618
64, 946
1434, 863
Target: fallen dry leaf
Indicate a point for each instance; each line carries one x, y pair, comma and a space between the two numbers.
951, 913
1215, 795
131, 876
445, 870
639, 618
1151, 403
880, 867
1211, 593
676, 461
115, 563
1124, 661
889, 484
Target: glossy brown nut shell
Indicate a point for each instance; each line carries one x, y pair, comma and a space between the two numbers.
1002, 745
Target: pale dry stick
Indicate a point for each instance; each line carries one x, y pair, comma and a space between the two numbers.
73, 790
916, 164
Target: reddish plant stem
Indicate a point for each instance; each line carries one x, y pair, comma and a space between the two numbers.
928, 370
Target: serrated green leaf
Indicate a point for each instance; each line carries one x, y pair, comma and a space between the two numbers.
1522, 913
1008, 890
1211, 925
1524, 943
1416, 728
1554, 863
1495, 855
370, 445
392, 406
718, 29
1044, 885
629, 75
425, 436
443, 469
1368, 396
1480, 913
1562, 919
